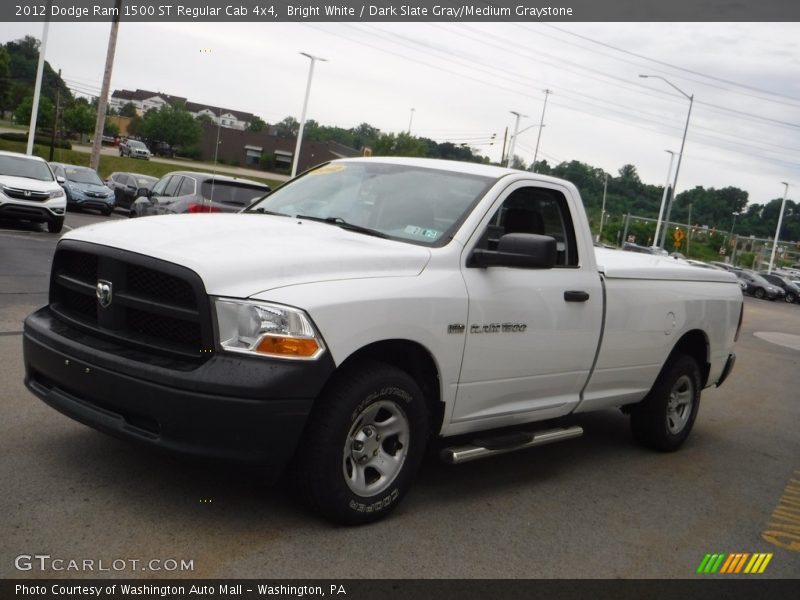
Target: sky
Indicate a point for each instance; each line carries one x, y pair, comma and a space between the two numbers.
459, 82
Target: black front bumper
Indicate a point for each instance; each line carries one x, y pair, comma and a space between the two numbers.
229, 407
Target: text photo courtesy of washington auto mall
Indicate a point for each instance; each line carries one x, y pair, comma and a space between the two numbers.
371, 299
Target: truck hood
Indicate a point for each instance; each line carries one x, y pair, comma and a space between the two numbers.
618, 264
240, 255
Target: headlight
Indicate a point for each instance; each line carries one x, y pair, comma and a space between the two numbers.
265, 329
59, 193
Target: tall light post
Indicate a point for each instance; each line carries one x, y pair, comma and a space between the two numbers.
410, 119
730, 237
778, 228
514, 138
541, 126
603, 209
37, 86
296, 156
680, 156
664, 197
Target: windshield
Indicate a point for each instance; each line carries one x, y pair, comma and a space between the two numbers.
82, 175
137, 145
414, 204
25, 167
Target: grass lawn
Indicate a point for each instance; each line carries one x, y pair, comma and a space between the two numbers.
110, 164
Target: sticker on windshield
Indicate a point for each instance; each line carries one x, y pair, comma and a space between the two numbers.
431, 234
328, 169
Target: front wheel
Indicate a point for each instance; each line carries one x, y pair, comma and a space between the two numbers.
759, 293
664, 419
55, 226
790, 298
363, 444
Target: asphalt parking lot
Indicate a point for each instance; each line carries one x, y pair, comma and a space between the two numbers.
595, 507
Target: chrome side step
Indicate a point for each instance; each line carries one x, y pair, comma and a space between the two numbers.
481, 448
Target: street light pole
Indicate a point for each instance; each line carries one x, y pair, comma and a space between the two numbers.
664, 197
603, 209
410, 119
541, 126
37, 86
778, 229
680, 156
296, 156
730, 238
513, 138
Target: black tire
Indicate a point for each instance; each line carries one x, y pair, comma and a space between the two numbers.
661, 421
367, 400
759, 293
55, 226
790, 298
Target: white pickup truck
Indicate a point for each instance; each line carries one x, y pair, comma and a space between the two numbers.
369, 307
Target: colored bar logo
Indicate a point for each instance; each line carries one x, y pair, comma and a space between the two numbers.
734, 564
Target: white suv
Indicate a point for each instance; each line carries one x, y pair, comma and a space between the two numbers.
30, 192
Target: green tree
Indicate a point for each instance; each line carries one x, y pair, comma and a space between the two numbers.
204, 119
128, 110
111, 128
287, 128
79, 118
44, 117
402, 144
256, 124
171, 124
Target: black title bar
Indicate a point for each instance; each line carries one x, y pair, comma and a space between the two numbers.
269, 11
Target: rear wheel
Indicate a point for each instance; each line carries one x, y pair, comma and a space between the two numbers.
790, 298
363, 444
664, 419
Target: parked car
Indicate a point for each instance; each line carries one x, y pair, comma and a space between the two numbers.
792, 290
30, 192
84, 188
759, 287
726, 266
631, 247
134, 149
127, 185
190, 192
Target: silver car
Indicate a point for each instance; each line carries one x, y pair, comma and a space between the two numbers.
190, 192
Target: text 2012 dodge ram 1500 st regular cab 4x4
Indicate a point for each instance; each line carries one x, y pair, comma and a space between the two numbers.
366, 307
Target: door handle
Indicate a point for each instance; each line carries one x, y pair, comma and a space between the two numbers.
576, 296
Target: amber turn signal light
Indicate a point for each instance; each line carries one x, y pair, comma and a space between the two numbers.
288, 346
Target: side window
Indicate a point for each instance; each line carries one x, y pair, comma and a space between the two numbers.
58, 171
172, 186
158, 189
129, 181
535, 210
187, 187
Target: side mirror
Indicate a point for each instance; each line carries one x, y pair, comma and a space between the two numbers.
522, 250
60, 180
143, 192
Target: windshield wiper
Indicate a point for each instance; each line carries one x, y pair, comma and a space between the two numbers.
344, 225
264, 211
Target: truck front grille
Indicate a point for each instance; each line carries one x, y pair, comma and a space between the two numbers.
154, 305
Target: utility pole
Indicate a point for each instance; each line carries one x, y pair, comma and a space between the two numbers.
664, 197
410, 120
55, 119
503, 153
102, 101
